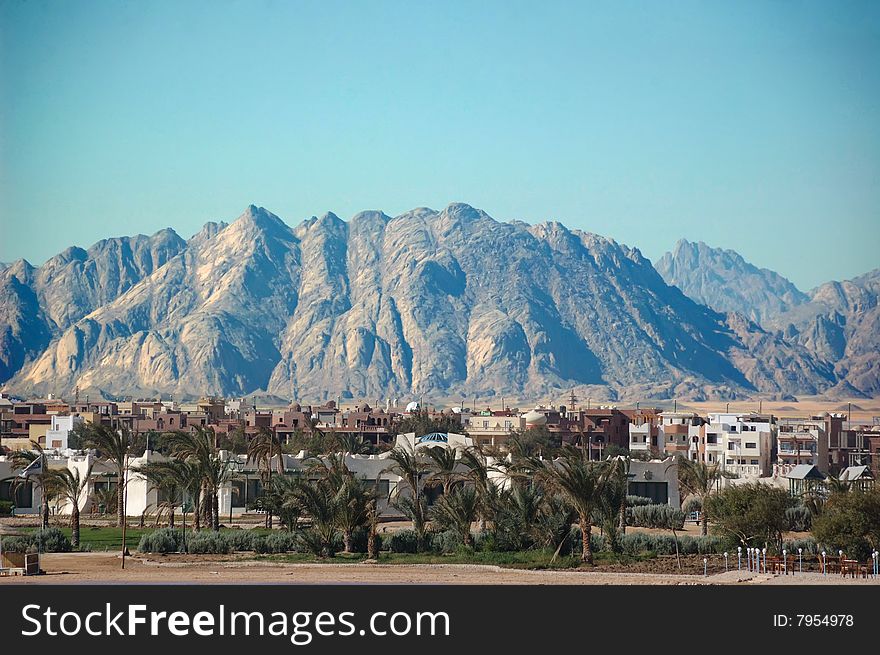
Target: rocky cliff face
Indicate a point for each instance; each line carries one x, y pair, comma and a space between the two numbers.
841, 325
448, 302
39, 304
726, 282
838, 323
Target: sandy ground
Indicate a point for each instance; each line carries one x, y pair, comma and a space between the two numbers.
105, 568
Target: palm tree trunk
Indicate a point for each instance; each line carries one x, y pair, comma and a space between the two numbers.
171, 516
347, 540
120, 496
207, 507
74, 526
269, 486
215, 514
586, 533
197, 511
44, 503
372, 543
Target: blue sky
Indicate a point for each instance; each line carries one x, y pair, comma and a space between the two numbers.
748, 125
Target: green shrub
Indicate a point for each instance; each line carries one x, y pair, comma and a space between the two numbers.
5, 507
809, 546
22, 544
243, 540
638, 501
404, 541
446, 542
634, 543
51, 540
658, 516
360, 537
163, 540
209, 542
282, 542
799, 519
310, 541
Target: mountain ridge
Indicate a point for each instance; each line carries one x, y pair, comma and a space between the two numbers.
448, 302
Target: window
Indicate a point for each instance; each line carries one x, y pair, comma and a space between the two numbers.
731, 445
751, 444
754, 462
712, 437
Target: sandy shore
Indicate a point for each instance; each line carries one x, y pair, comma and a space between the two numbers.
104, 568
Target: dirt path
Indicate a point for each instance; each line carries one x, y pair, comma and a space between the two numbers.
91, 568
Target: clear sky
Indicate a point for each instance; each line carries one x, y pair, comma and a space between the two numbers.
748, 125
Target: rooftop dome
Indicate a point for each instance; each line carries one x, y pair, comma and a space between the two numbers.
534, 418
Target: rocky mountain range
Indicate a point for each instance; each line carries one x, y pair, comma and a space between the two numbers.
451, 303
726, 282
837, 322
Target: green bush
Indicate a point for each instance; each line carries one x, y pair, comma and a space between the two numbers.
799, 519
634, 543
52, 540
809, 545
360, 536
5, 507
20, 544
243, 540
282, 542
446, 542
850, 521
209, 542
658, 516
404, 541
638, 501
163, 540
310, 541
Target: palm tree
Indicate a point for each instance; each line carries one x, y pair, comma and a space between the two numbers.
21, 459
835, 484
699, 480
197, 448
318, 502
174, 478
410, 466
478, 475
443, 461
580, 482
353, 501
116, 446
70, 486
352, 495
262, 449
351, 444
456, 511
618, 478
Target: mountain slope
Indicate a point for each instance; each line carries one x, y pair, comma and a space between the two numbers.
449, 302
841, 324
37, 304
726, 282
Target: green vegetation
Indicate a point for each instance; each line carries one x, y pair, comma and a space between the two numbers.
850, 521
753, 514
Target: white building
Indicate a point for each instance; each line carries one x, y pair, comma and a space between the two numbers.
58, 433
741, 443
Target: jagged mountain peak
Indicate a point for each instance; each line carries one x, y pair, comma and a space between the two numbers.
445, 302
727, 282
